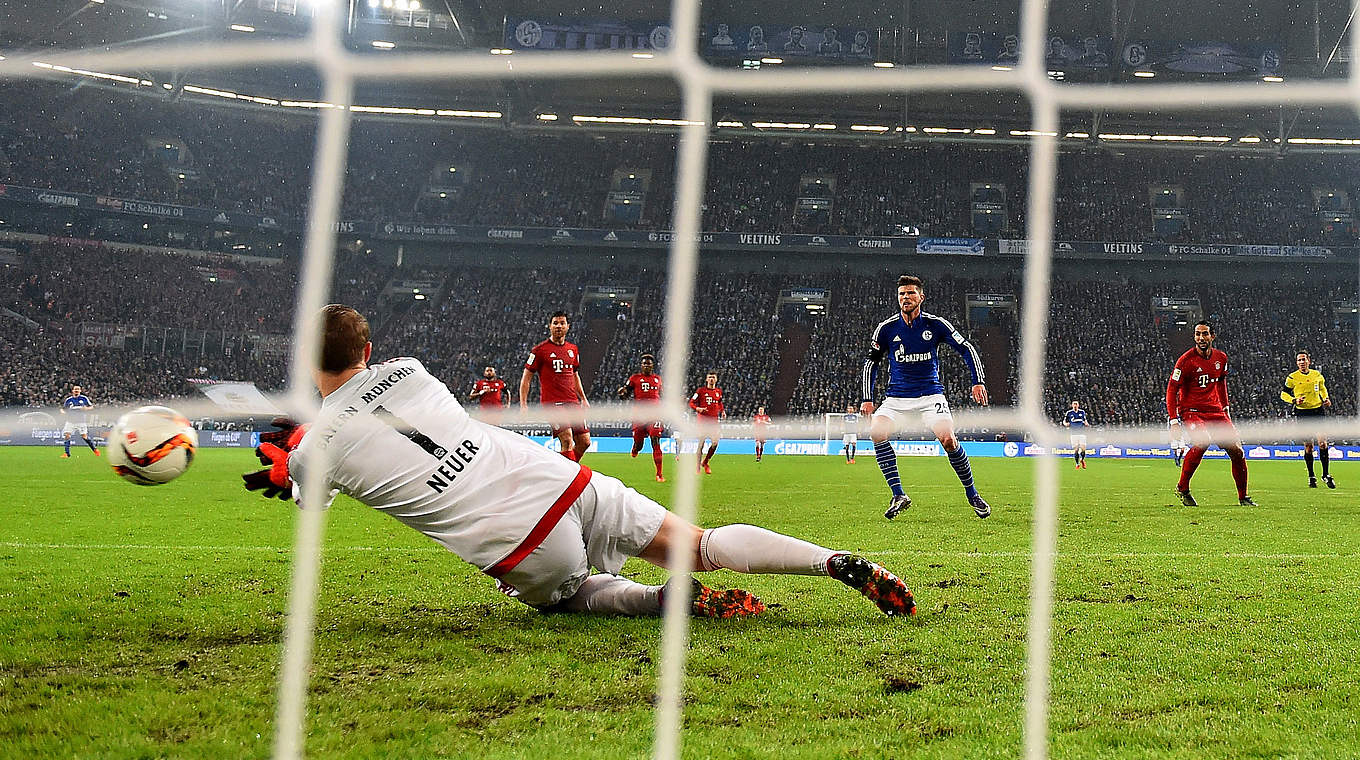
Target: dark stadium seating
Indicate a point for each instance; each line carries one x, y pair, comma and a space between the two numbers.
1106, 347
94, 141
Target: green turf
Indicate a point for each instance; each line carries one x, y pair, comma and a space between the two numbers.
146, 622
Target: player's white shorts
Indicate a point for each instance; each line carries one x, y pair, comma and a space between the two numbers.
79, 428
928, 409
609, 523
849, 439
1078, 441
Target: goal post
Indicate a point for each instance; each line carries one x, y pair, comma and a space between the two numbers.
834, 430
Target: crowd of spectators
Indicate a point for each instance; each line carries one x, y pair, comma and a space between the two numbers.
96, 141
169, 317
192, 317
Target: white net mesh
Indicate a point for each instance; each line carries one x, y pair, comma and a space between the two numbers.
699, 83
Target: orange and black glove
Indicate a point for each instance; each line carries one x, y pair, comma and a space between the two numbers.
273, 481
288, 435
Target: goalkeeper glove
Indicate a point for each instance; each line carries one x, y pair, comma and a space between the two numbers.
273, 481
288, 435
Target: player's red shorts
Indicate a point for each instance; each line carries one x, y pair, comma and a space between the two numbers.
649, 429
709, 427
576, 424
490, 413
1204, 423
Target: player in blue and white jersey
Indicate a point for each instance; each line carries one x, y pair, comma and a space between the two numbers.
75, 408
1075, 420
850, 433
911, 339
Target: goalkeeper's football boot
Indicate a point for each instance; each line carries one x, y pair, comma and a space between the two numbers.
980, 507
896, 505
1329, 481
874, 581
1246, 501
1312, 482
1186, 499
721, 605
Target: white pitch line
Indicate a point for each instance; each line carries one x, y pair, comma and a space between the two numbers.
889, 553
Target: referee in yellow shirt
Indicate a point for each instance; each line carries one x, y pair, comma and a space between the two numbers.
1306, 391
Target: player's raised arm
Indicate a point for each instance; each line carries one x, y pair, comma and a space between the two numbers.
966, 350
1222, 388
1173, 394
524, 387
580, 390
970, 356
870, 369
1287, 394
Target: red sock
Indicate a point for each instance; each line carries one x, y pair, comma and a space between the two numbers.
637, 443
712, 448
1188, 466
760, 449
1239, 471
569, 454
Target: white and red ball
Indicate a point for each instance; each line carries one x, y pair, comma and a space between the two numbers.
152, 445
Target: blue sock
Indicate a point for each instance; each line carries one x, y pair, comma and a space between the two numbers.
68, 447
887, 462
959, 459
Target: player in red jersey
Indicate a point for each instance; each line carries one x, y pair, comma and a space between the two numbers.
555, 361
1197, 397
761, 425
489, 393
644, 387
708, 405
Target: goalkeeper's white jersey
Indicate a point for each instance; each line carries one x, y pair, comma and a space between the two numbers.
396, 439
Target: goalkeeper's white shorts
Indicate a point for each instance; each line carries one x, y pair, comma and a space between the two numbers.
606, 525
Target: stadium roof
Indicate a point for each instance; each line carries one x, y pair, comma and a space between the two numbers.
1306, 31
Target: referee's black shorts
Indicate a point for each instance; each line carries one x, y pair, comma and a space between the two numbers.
1317, 411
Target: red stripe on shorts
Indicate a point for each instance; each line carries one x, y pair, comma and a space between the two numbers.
545, 525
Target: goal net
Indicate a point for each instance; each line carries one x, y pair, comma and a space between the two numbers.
348, 82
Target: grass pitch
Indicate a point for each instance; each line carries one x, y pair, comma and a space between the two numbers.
146, 622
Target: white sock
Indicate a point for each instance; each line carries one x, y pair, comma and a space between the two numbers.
749, 549
607, 594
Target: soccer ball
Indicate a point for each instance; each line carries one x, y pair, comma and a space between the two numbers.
152, 445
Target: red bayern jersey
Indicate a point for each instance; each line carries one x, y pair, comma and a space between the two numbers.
556, 368
1198, 384
492, 392
761, 422
707, 402
645, 387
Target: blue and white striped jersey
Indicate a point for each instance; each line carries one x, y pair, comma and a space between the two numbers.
913, 355
1075, 418
76, 407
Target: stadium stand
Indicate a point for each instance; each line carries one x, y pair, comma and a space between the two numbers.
246, 161
1106, 346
